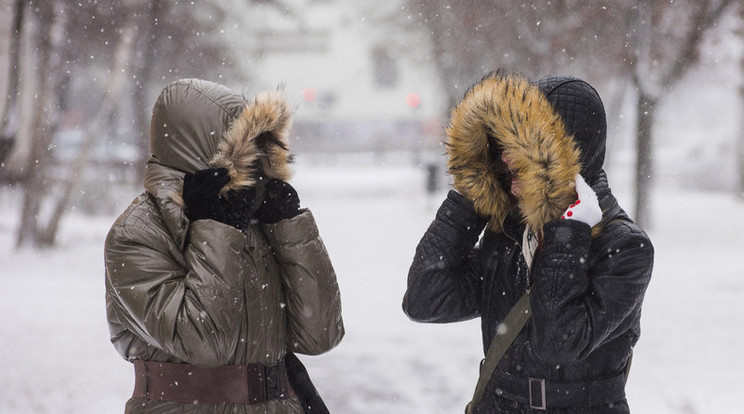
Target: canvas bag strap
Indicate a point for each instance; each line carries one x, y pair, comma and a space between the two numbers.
506, 332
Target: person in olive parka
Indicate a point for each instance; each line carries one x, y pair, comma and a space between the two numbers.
215, 276
526, 160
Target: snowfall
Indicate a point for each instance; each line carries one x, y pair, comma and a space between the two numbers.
55, 354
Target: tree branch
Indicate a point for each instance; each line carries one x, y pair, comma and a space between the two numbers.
702, 20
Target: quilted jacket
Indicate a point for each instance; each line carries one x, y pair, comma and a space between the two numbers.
587, 284
203, 292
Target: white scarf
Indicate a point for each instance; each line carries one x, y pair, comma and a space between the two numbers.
529, 247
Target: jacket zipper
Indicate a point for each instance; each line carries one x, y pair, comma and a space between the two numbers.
528, 270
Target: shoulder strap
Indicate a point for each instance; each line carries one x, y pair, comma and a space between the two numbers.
505, 334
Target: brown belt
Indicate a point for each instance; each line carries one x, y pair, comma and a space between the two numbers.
185, 383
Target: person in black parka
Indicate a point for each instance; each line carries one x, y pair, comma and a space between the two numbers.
526, 161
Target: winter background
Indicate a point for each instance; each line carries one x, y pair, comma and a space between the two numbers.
56, 357
372, 208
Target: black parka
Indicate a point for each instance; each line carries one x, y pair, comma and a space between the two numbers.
587, 285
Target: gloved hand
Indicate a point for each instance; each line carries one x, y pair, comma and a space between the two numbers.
281, 202
201, 193
586, 208
238, 208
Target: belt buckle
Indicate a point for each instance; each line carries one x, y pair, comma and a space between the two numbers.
543, 404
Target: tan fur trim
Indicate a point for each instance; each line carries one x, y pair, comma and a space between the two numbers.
533, 136
239, 149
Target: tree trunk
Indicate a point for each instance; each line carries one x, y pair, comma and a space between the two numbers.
645, 117
613, 108
50, 35
9, 128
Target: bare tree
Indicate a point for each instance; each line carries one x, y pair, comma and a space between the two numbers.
656, 42
51, 36
474, 37
665, 40
50, 18
135, 43
112, 94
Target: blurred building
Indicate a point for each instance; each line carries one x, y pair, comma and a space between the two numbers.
358, 75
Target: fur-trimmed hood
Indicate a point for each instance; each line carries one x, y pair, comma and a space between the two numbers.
531, 131
197, 124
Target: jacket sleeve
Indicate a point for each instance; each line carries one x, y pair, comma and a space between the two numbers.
586, 295
189, 307
444, 278
313, 301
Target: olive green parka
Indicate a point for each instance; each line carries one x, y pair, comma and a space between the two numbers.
203, 292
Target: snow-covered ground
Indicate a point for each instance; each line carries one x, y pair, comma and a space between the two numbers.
55, 356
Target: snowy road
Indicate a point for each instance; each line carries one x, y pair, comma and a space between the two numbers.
56, 357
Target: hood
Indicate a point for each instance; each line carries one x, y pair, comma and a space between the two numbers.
583, 114
197, 124
525, 122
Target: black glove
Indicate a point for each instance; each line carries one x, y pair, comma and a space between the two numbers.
238, 208
201, 193
203, 201
281, 202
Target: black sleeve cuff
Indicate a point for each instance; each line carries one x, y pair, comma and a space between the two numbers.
567, 233
456, 218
